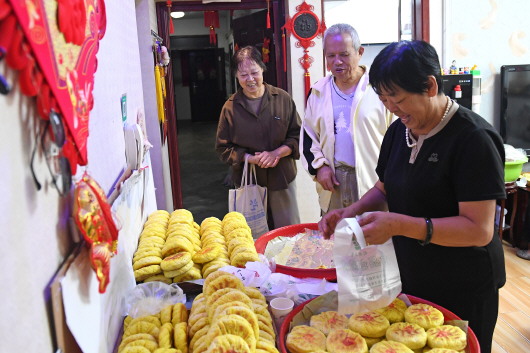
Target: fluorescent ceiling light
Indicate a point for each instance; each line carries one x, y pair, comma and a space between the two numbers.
177, 14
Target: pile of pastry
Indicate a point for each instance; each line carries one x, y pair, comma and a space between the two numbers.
164, 332
395, 328
174, 248
230, 317
226, 317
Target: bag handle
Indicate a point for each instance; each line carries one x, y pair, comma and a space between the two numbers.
245, 171
252, 179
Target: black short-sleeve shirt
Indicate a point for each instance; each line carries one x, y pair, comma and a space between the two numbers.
462, 162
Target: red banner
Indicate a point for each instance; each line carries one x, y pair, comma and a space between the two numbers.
54, 46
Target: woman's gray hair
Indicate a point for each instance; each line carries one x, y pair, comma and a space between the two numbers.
340, 28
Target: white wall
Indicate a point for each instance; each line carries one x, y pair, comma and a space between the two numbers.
489, 34
146, 21
35, 234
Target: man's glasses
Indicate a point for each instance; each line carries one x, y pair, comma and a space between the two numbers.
51, 144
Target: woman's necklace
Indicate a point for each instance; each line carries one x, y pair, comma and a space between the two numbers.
410, 142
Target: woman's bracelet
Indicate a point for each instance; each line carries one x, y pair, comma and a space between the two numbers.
428, 236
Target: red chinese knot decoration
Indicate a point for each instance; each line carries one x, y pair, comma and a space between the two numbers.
305, 26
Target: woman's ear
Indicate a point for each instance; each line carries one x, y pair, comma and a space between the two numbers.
432, 86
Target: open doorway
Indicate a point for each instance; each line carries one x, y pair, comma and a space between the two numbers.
201, 81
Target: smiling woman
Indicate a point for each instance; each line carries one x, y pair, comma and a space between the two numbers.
259, 124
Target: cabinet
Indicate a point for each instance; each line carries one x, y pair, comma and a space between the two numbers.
516, 231
521, 225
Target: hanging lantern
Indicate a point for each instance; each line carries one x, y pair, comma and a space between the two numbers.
211, 20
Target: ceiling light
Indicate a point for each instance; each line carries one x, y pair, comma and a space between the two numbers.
177, 14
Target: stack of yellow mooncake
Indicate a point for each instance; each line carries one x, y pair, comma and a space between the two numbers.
164, 332
227, 316
174, 248
213, 254
238, 236
148, 256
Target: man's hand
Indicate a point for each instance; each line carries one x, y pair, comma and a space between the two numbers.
326, 178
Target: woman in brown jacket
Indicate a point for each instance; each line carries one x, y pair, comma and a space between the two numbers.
260, 122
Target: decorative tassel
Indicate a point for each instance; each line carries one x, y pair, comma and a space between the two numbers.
268, 16
171, 27
213, 39
307, 83
211, 20
284, 47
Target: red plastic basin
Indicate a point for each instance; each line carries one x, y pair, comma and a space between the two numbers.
290, 231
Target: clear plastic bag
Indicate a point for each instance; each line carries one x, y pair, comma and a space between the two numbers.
151, 297
368, 276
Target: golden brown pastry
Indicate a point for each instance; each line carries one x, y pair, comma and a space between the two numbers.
369, 324
305, 339
447, 336
411, 335
424, 315
390, 346
233, 325
395, 311
328, 321
180, 336
345, 341
228, 344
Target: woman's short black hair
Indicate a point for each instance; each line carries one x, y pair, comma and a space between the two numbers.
405, 64
248, 53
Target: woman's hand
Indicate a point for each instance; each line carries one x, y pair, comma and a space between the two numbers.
328, 223
378, 227
267, 159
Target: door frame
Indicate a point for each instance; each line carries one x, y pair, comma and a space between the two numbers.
279, 13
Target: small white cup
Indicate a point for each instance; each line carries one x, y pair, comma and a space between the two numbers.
280, 307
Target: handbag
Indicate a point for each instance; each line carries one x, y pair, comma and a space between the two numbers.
250, 199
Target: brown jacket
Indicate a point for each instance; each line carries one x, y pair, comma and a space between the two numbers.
241, 131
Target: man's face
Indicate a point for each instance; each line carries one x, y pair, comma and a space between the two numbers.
341, 57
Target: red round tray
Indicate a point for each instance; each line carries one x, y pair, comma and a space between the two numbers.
290, 231
472, 342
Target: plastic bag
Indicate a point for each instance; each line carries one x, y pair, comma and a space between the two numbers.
250, 199
151, 297
368, 276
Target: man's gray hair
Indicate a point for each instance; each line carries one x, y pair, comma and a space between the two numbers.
340, 28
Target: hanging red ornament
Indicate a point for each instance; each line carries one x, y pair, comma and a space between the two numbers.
93, 217
268, 15
169, 3
211, 20
265, 50
54, 50
305, 26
